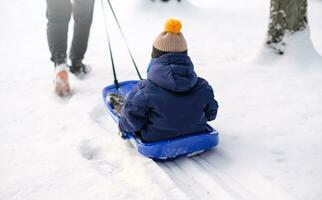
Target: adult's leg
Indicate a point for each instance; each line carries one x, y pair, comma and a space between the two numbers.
83, 14
58, 15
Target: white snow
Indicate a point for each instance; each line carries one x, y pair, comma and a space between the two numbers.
269, 119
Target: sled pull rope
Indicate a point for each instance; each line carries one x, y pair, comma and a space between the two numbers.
116, 83
124, 39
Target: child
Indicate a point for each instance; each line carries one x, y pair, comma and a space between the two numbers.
172, 101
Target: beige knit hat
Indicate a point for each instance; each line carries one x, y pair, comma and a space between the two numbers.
171, 39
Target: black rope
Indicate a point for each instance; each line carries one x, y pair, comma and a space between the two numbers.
116, 83
122, 34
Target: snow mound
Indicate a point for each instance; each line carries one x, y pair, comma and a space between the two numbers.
298, 51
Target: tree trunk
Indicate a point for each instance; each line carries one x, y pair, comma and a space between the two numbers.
286, 16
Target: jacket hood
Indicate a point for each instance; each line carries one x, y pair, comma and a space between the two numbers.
173, 71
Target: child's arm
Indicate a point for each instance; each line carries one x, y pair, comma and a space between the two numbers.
211, 110
212, 107
134, 113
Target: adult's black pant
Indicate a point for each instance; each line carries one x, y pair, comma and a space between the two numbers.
58, 15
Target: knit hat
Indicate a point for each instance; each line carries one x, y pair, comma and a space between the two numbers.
170, 40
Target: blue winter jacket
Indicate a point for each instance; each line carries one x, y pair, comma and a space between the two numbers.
172, 102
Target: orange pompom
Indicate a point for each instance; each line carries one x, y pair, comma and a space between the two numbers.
172, 26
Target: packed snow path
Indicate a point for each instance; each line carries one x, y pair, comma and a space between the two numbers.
199, 177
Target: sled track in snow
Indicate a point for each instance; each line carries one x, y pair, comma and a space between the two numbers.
199, 178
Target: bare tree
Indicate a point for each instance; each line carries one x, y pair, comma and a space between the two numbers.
286, 16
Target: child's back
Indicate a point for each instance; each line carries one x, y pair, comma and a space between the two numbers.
172, 102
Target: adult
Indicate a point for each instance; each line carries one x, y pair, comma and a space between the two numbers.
58, 15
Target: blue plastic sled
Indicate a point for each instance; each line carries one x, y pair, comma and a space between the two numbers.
165, 149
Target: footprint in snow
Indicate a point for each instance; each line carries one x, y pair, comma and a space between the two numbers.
99, 161
280, 160
89, 151
278, 152
98, 112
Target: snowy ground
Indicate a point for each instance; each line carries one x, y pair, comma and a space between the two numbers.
270, 108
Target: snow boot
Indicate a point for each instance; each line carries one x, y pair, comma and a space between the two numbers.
62, 87
116, 101
79, 69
